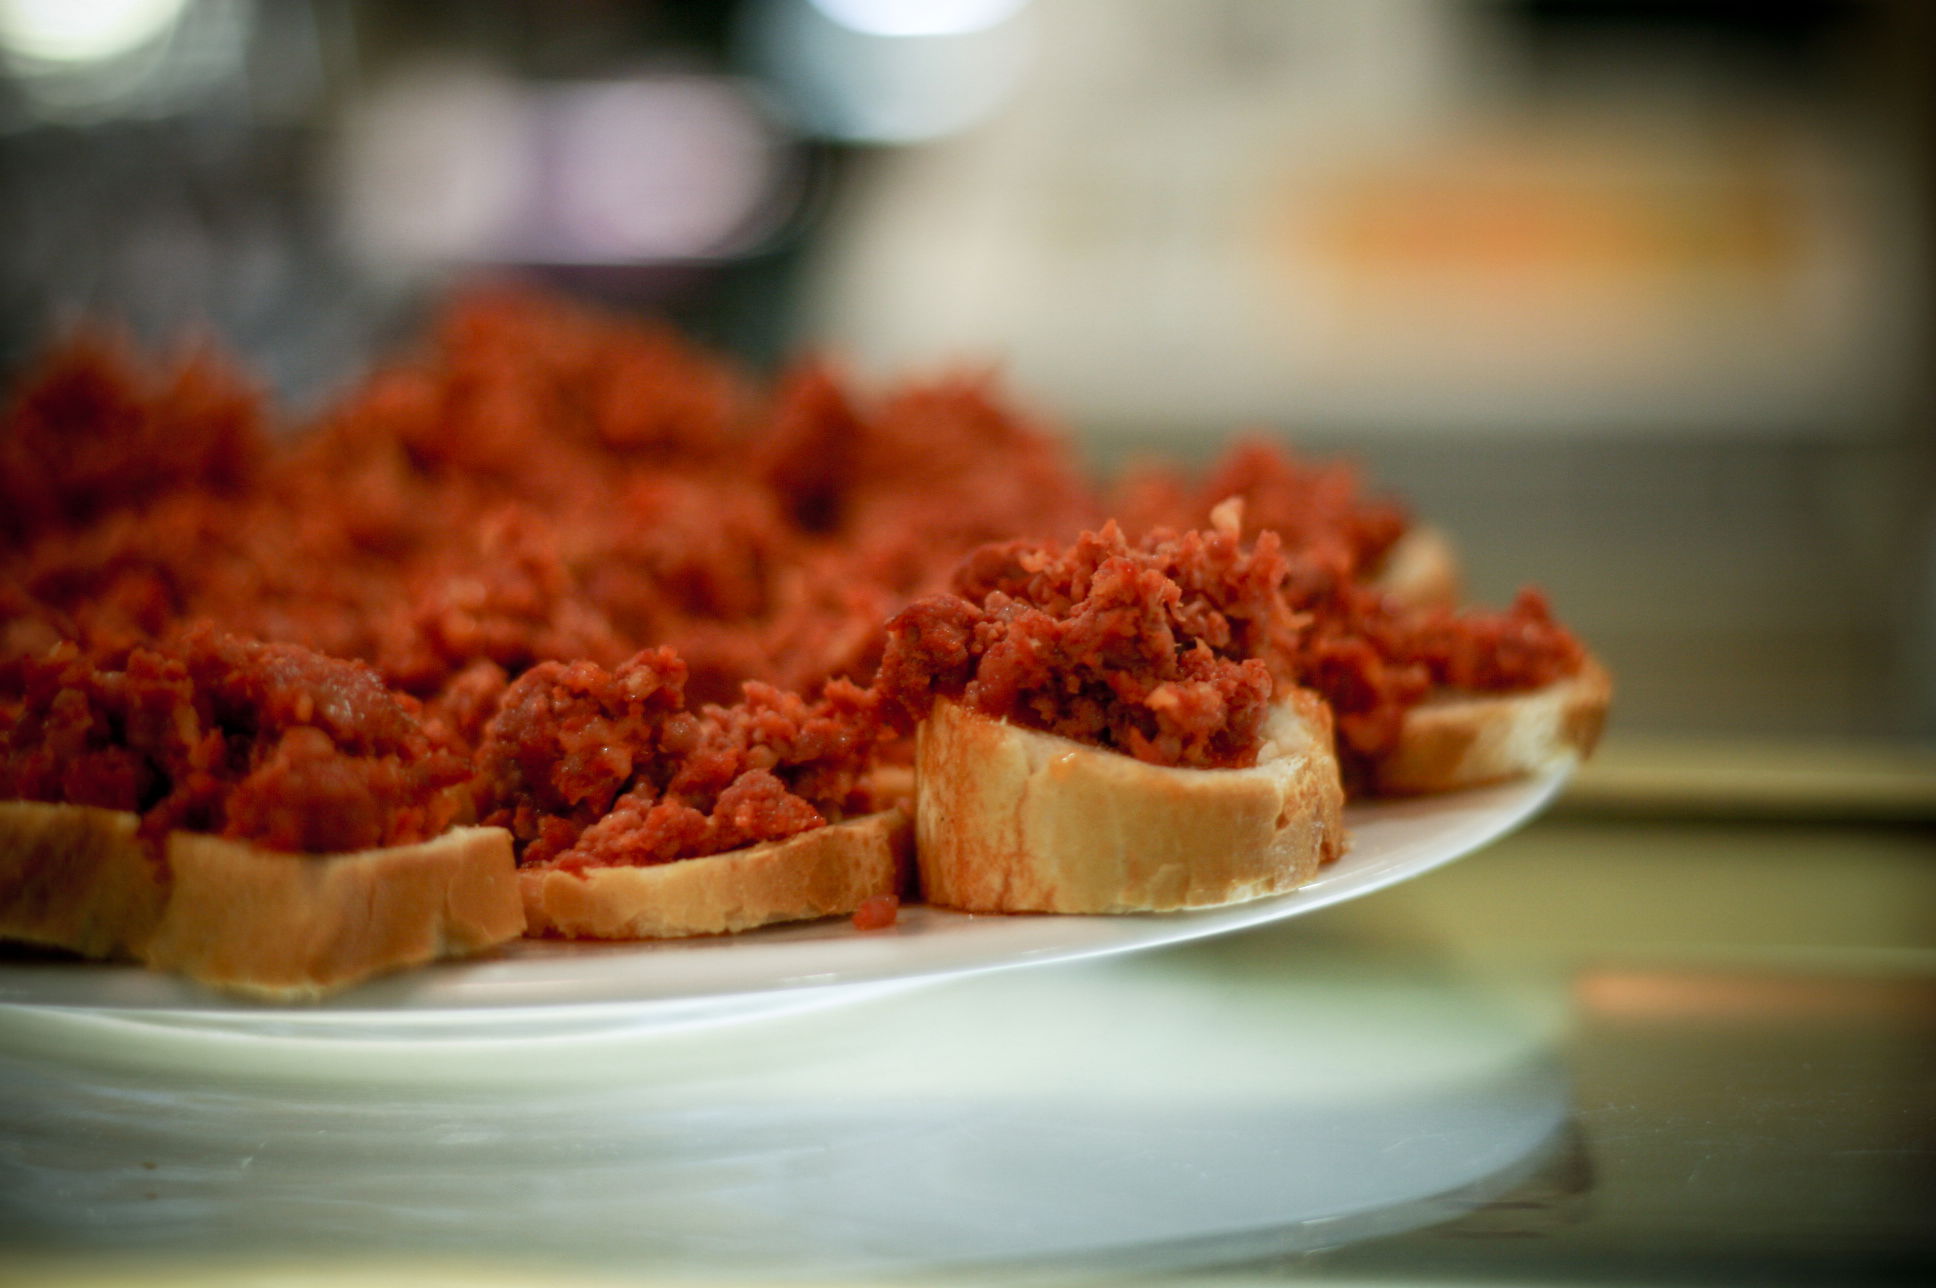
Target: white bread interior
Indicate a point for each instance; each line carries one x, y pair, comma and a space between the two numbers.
1420, 571
1459, 740
1014, 820
827, 872
236, 917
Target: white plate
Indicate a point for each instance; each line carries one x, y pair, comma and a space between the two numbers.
537, 987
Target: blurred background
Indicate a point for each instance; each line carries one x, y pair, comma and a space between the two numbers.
1633, 297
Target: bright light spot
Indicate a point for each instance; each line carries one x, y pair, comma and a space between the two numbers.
454, 163
664, 168
918, 17
874, 86
83, 31
436, 165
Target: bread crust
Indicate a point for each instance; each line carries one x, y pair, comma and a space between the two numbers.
827, 872
1460, 740
1014, 820
287, 927
78, 878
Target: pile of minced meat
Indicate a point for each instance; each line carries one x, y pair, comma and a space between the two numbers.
568, 574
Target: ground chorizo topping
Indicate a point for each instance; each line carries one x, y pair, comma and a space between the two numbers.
1151, 648
539, 487
1372, 661
94, 431
467, 552
591, 768
208, 733
1169, 648
1319, 509
877, 912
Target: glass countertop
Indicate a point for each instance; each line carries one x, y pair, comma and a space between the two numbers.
1604, 1050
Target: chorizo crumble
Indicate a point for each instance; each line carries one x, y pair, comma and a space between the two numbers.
569, 574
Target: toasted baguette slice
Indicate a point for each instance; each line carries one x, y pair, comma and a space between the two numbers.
78, 878
1014, 820
1459, 740
243, 919
1421, 571
823, 873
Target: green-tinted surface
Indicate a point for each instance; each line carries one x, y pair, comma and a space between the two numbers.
1751, 1039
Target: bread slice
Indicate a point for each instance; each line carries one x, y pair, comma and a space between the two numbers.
1459, 740
78, 878
827, 872
1421, 571
228, 914
1014, 820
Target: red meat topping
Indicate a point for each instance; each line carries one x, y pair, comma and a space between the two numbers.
209, 733
1149, 648
593, 768
1372, 662
542, 484
493, 528
198, 425
1168, 648
1319, 509
877, 912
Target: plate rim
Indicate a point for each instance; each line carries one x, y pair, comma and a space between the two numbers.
536, 979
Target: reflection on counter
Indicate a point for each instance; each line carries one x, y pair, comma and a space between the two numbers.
1602, 1051
1255, 1097
1765, 1127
